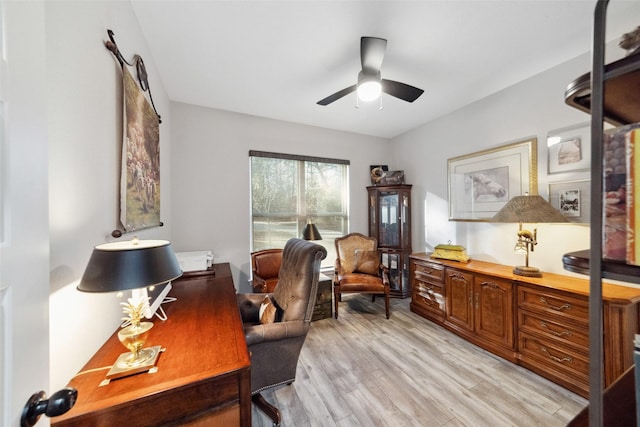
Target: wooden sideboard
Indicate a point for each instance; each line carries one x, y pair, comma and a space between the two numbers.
203, 376
539, 323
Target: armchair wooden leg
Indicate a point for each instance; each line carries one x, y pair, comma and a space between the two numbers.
386, 303
336, 299
266, 407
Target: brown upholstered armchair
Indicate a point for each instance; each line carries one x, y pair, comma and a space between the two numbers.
265, 266
359, 270
275, 343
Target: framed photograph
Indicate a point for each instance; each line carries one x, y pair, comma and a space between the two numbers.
569, 149
481, 183
572, 198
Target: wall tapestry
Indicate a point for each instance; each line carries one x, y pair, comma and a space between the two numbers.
140, 179
140, 166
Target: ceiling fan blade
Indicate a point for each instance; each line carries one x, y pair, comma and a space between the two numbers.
401, 90
331, 98
372, 51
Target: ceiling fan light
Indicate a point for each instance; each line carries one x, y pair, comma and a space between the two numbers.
369, 90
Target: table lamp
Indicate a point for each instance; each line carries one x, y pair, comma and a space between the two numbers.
311, 232
529, 209
128, 265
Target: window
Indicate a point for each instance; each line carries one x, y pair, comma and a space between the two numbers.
289, 190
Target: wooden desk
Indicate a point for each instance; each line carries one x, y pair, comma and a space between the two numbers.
203, 376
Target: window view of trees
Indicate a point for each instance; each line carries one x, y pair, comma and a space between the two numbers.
286, 193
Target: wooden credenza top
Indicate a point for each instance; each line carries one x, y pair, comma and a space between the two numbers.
610, 292
205, 344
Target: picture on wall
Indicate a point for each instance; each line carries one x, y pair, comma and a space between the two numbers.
481, 183
140, 176
569, 149
572, 198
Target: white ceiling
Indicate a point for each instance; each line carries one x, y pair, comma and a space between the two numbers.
276, 59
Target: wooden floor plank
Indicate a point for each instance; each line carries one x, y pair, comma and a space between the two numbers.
365, 370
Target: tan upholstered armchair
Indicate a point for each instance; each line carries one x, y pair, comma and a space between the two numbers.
265, 266
359, 270
276, 324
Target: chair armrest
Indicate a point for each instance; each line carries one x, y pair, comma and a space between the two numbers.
249, 305
255, 334
259, 284
385, 276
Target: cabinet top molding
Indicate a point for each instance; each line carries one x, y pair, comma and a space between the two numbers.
612, 293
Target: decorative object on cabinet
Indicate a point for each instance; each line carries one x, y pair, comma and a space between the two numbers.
311, 232
572, 199
569, 149
275, 347
528, 209
356, 269
381, 177
481, 183
539, 323
265, 267
450, 252
631, 41
390, 225
121, 266
140, 171
376, 172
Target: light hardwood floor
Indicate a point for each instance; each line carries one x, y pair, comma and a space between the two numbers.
365, 370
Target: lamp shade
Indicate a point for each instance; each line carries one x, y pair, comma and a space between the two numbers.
531, 209
121, 266
311, 232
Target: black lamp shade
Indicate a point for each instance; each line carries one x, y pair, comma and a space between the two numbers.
311, 232
121, 266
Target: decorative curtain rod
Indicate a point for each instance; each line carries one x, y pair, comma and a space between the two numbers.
137, 62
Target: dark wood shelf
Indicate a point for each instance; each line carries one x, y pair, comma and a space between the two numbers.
621, 91
578, 262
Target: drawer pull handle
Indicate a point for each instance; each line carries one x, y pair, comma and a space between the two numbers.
556, 333
562, 307
555, 358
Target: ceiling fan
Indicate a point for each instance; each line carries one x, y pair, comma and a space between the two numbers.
370, 83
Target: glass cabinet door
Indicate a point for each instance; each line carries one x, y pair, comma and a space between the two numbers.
398, 265
388, 232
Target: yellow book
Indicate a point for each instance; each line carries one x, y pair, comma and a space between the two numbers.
633, 196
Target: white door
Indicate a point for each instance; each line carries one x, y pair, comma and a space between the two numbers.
24, 207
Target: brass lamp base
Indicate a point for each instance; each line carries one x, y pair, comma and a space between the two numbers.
527, 271
125, 367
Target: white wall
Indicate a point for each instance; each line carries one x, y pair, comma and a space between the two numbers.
530, 108
24, 222
210, 178
84, 93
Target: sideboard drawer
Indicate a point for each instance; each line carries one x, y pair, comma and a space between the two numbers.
427, 270
429, 296
564, 334
571, 366
555, 303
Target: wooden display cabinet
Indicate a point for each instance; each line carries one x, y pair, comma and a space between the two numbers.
390, 224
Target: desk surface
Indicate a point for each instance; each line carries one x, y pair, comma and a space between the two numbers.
205, 367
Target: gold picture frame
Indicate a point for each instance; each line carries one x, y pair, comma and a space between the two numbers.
481, 183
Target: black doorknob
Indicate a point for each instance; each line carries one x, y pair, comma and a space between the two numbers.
59, 403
